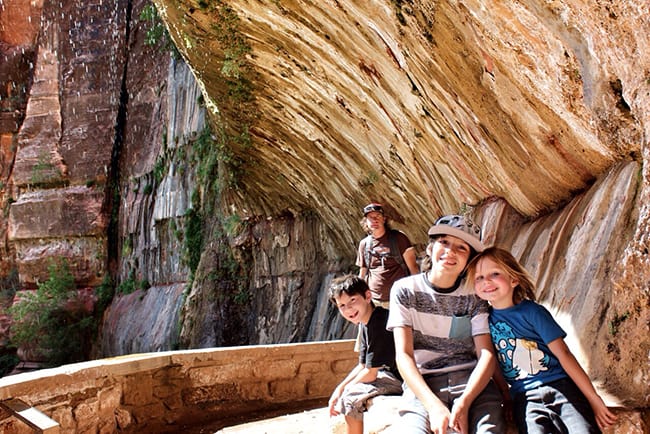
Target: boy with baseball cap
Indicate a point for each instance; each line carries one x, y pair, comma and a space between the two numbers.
442, 339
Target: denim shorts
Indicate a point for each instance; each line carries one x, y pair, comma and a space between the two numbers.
557, 407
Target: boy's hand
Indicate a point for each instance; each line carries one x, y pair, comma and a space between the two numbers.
459, 415
439, 418
332, 402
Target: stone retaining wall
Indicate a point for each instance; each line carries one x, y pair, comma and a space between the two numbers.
203, 390
169, 391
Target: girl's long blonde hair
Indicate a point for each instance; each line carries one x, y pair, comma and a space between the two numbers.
525, 290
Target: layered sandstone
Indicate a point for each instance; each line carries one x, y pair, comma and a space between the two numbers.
438, 106
531, 115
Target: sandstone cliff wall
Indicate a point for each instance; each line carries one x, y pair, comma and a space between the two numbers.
534, 116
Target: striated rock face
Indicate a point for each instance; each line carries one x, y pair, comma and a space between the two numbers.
424, 106
65, 141
129, 326
235, 175
16, 46
59, 223
433, 106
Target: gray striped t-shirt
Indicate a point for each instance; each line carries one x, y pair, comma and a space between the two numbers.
443, 324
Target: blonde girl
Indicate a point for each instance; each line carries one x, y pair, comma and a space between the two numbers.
551, 393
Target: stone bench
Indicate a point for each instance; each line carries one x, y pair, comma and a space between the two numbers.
382, 412
379, 417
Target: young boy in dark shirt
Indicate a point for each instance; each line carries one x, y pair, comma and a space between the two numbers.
376, 373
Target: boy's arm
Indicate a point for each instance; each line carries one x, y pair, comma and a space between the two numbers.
438, 412
366, 375
362, 272
604, 416
480, 377
410, 260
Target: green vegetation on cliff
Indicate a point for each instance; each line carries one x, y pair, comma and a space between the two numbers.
54, 322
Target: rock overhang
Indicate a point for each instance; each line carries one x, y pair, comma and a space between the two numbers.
427, 107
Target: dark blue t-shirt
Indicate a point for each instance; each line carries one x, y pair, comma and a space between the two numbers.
520, 335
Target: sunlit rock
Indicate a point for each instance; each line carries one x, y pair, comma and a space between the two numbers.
241, 173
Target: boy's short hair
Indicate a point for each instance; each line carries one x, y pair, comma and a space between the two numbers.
349, 284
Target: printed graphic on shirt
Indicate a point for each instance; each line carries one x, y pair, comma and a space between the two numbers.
381, 252
518, 358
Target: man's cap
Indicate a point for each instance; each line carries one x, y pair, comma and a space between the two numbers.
376, 207
460, 227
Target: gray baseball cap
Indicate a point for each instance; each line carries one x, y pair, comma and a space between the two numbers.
460, 227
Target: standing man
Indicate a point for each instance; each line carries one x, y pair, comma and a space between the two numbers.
384, 256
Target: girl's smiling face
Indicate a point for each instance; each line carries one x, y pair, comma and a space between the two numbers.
493, 284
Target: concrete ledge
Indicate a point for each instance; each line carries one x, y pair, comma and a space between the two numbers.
380, 416
307, 422
30, 416
382, 413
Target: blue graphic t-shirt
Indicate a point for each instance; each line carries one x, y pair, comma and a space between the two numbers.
520, 335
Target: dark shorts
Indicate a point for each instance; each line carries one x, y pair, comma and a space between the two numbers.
485, 414
558, 407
